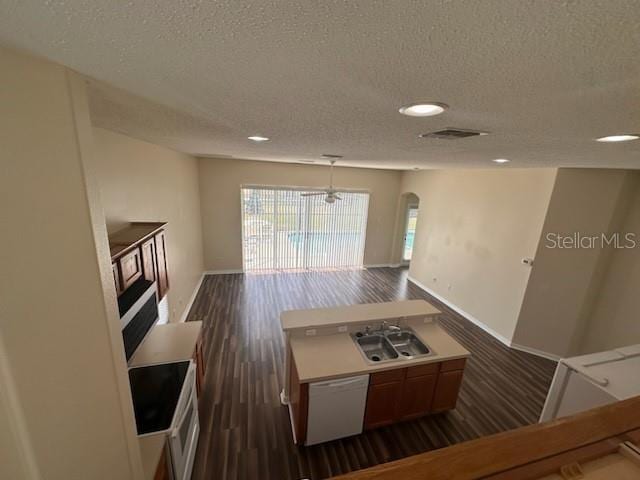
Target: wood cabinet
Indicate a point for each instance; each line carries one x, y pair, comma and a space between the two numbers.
416, 397
198, 358
299, 404
408, 393
382, 404
161, 255
140, 251
148, 250
116, 277
446, 392
130, 268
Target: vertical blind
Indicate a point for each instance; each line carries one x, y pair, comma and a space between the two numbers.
284, 230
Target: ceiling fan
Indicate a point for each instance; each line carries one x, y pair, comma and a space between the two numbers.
331, 193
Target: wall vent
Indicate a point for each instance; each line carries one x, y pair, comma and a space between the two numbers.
451, 133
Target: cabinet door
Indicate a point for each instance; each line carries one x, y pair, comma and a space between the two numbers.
198, 358
447, 388
148, 250
130, 268
116, 277
382, 404
161, 264
417, 395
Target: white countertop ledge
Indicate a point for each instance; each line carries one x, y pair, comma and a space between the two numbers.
368, 312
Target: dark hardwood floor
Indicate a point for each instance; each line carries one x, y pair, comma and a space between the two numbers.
245, 431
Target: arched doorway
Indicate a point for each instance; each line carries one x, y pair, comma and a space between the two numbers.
409, 229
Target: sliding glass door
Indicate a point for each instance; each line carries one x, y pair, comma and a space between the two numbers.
283, 229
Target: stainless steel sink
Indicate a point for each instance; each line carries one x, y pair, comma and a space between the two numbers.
407, 344
376, 348
389, 345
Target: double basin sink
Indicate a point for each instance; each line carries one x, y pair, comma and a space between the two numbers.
389, 345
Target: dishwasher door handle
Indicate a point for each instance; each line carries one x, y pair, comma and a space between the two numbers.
343, 383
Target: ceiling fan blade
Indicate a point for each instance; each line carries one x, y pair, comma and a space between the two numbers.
312, 194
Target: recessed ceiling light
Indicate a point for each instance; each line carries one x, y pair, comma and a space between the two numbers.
423, 109
500, 160
618, 138
258, 138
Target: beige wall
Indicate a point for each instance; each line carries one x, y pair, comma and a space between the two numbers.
220, 181
565, 282
58, 316
474, 228
615, 320
140, 181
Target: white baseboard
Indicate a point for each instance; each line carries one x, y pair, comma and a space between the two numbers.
187, 308
223, 272
504, 340
382, 265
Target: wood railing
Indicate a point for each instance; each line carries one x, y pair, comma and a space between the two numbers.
527, 452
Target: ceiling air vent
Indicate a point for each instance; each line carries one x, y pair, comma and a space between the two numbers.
453, 134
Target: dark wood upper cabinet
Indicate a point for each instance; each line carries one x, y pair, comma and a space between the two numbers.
161, 255
139, 251
148, 249
447, 388
116, 277
130, 268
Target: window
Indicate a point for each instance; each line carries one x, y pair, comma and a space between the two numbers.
284, 230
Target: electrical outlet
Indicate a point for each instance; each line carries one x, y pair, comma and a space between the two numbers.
342, 328
311, 332
435, 279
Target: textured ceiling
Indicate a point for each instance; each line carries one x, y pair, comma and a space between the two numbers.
544, 77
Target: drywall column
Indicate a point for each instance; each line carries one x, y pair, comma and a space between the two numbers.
565, 282
63, 373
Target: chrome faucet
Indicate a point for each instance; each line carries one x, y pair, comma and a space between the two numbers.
384, 327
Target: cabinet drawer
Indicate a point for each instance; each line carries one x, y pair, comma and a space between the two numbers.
130, 268
420, 370
453, 365
396, 375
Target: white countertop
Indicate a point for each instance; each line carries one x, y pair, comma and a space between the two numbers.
324, 357
171, 342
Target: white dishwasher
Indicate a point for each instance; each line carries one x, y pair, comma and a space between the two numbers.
336, 408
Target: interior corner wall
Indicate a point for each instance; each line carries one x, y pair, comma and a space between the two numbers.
55, 324
474, 228
220, 182
143, 182
614, 320
565, 282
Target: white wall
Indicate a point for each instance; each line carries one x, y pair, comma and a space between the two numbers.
220, 181
615, 318
58, 317
565, 282
140, 181
474, 227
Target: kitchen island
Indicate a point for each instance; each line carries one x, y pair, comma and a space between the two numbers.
330, 380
